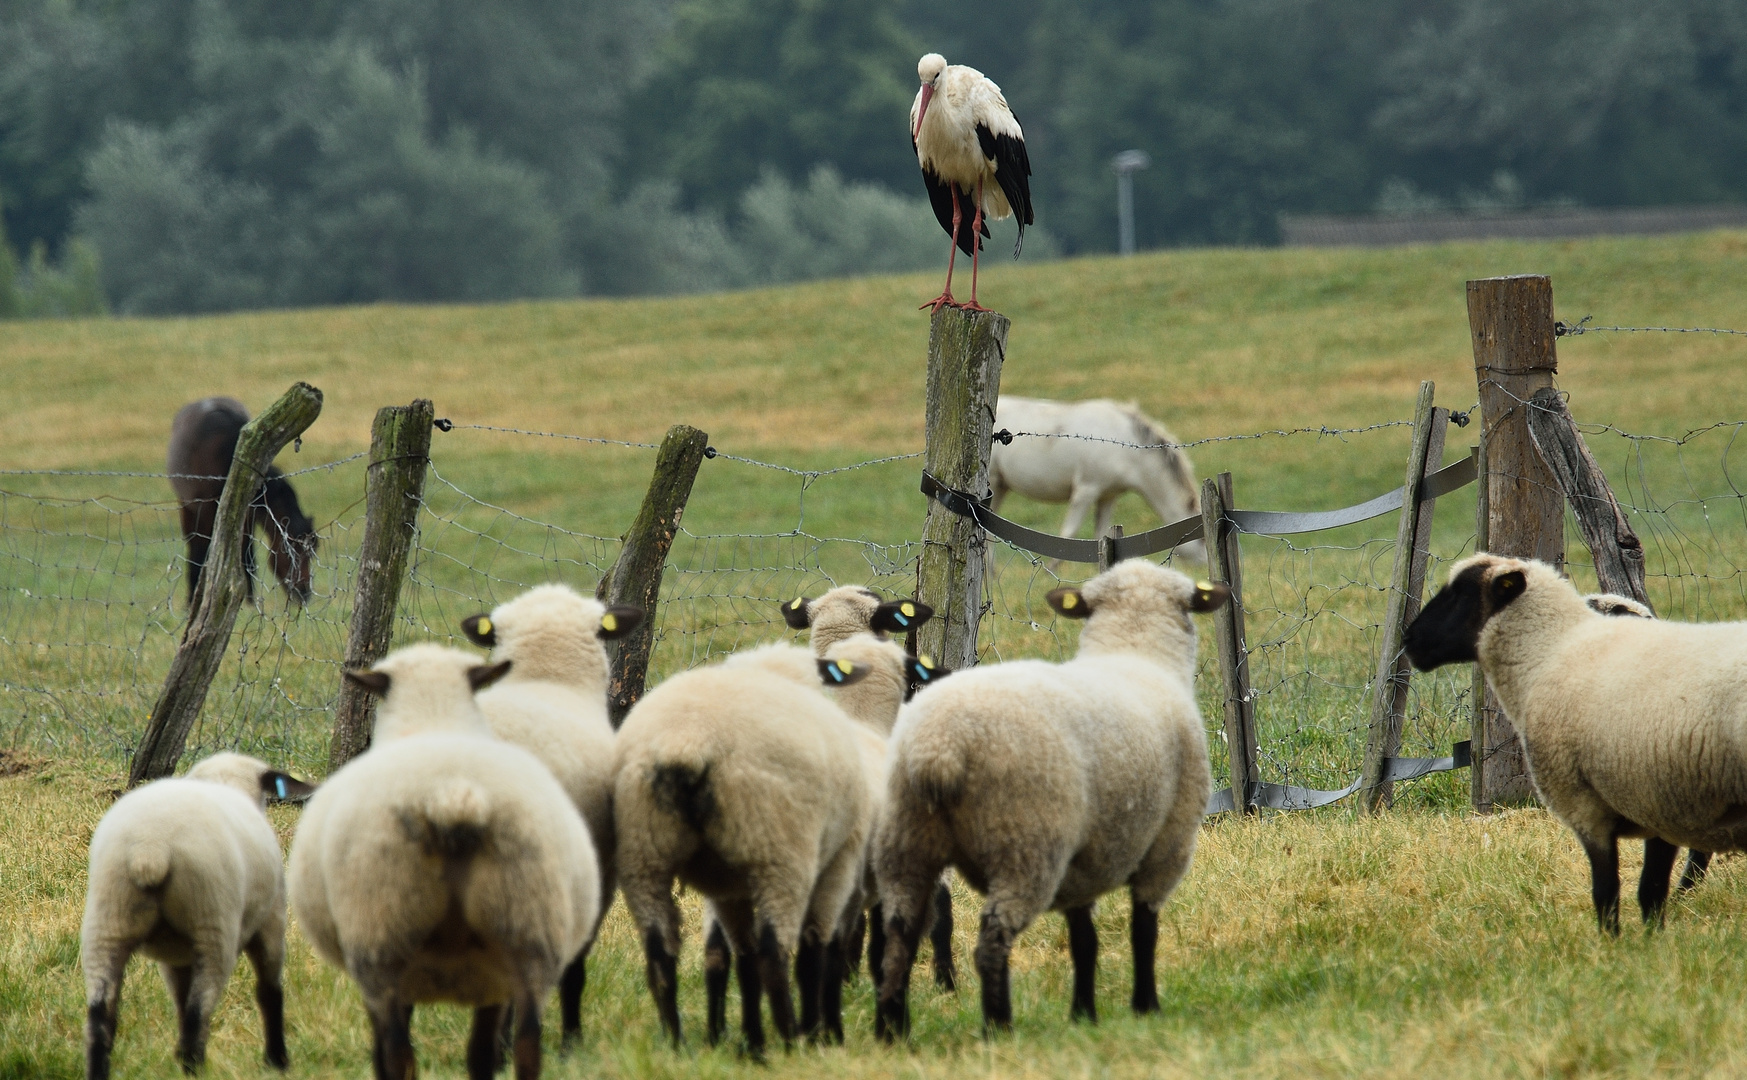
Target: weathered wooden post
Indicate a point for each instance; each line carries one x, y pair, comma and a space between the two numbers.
394, 490
221, 585
1615, 548
965, 351
1510, 320
635, 578
1107, 548
1413, 535
1224, 564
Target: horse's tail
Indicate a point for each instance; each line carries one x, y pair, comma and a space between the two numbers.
1152, 434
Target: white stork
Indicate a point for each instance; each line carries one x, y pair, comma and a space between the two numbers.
972, 154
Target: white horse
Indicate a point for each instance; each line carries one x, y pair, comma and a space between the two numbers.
1090, 453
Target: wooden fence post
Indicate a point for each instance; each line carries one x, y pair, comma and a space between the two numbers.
1107, 548
221, 585
1615, 548
1510, 320
635, 578
394, 490
1413, 536
1224, 564
965, 351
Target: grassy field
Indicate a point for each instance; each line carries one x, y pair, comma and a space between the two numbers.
1295, 941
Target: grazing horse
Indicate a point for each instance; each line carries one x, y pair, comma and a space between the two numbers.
203, 439
1090, 452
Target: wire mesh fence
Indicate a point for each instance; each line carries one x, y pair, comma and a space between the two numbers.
92, 584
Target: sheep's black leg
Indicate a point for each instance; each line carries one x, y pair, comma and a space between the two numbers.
1604, 882
663, 970
994, 944
190, 1047
717, 957
773, 965
1653, 883
1083, 947
853, 944
270, 998
876, 945
100, 1021
809, 976
482, 1053
527, 1038
831, 988
898, 957
940, 936
751, 990
570, 987
392, 1053
1143, 938
1697, 862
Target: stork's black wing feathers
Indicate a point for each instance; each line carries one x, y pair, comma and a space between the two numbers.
1012, 172
941, 195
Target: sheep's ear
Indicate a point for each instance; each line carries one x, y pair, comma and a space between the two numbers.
285, 787
375, 682
1209, 595
480, 676
923, 670
619, 620
1068, 603
479, 630
798, 613
897, 616
1506, 587
842, 672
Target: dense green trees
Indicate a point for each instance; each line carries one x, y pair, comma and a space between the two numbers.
235, 153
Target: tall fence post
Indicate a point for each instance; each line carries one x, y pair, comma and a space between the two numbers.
1224, 564
965, 351
1413, 536
635, 578
1510, 320
1616, 550
394, 490
221, 585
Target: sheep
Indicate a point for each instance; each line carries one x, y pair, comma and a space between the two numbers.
444, 865
1047, 785
188, 871
743, 780
1630, 727
553, 704
839, 614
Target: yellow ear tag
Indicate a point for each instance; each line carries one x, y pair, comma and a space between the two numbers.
795, 604
908, 609
845, 666
926, 661
609, 622
483, 626
1204, 586
1069, 600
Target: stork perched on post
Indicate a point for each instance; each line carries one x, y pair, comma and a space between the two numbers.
972, 154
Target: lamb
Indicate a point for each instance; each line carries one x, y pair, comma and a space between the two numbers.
1047, 785
444, 865
188, 871
553, 704
743, 780
1630, 727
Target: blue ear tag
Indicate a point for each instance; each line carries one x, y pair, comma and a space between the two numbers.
279, 782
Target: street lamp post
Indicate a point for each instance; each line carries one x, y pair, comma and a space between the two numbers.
1125, 165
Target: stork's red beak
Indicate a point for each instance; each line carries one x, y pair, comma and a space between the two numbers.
922, 113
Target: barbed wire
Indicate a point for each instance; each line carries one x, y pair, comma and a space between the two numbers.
329, 465
1581, 326
1006, 437
450, 426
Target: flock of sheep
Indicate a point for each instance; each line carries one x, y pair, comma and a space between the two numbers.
816, 795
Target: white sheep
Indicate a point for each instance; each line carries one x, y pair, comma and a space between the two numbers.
1047, 785
444, 865
743, 780
188, 871
553, 704
1629, 726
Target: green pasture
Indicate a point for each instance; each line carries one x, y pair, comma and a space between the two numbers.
1386, 957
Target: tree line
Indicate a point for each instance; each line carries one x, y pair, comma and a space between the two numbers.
199, 155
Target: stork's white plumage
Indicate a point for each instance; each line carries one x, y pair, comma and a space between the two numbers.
972, 153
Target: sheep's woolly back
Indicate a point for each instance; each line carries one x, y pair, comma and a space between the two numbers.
419, 831
843, 612
552, 633
874, 700
237, 771
784, 661
428, 692
1141, 608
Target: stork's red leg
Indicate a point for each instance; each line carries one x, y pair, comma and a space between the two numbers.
952, 257
976, 246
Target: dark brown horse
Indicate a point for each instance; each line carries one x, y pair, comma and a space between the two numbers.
203, 439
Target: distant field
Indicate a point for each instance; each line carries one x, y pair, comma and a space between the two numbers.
1304, 944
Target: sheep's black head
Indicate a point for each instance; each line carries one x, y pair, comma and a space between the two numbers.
1448, 630
851, 609
619, 620
922, 671
480, 631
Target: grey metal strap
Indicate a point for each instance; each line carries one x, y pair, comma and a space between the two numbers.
1287, 797
1054, 547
